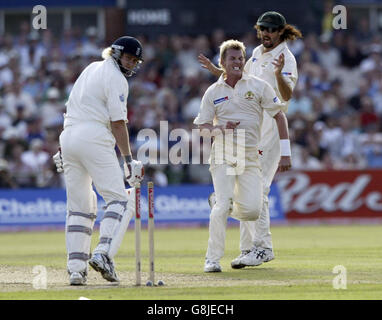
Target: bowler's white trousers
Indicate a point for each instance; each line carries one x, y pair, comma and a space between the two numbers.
257, 233
239, 196
89, 156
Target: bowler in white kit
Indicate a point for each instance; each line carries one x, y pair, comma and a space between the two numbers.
95, 121
236, 101
273, 62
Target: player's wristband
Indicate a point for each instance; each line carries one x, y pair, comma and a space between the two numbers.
128, 158
285, 147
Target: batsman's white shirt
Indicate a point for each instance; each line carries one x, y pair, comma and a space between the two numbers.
99, 94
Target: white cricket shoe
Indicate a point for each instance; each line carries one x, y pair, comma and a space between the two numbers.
256, 257
212, 266
78, 278
235, 263
102, 263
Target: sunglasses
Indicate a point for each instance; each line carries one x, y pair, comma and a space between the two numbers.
269, 30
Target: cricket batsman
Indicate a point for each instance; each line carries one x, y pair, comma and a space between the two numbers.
96, 120
236, 101
272, 62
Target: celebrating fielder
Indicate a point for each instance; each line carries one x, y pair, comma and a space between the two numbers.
273, 62
236, 101
95, 121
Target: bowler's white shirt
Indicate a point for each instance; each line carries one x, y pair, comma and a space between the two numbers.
245, 103
99, 94
260, 65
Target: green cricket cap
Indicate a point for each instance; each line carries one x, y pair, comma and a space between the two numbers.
271, 19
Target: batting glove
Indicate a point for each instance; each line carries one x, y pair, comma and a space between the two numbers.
57, 158
134, 171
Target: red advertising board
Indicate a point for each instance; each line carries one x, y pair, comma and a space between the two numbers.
331, 194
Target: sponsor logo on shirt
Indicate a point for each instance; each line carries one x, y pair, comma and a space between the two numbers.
254, 59
286, 73
249, 95
275, 99
122, 97
220, 100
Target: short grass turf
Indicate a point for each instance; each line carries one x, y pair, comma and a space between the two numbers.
303, 269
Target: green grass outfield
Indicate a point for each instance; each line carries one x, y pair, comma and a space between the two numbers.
303, 268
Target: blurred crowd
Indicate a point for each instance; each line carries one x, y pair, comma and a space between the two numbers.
335, 114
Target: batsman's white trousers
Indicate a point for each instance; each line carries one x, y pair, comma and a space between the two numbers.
89, 156
239, 196
257, 233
